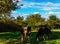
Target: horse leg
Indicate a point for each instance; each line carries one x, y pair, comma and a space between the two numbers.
22, 39
37, 37
25, 35
44, 38
25, 32
47, 38
28, 38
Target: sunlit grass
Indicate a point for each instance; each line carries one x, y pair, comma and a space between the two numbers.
14, 38
56, 30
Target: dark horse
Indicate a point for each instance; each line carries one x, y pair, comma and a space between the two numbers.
28, 33
43, 30
25, 32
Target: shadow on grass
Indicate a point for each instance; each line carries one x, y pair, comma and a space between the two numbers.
53, 36
9, 35
15, 37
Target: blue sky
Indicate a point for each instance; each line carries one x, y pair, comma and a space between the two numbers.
44, 7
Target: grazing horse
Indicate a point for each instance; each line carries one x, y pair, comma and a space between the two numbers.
43, 30
25, 31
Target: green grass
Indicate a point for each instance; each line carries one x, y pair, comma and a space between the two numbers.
14, 38
53, 39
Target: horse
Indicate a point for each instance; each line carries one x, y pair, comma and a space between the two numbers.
25, 31
28, 33
43, 30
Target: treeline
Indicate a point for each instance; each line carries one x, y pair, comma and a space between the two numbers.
34, 20
9, 26
8, 23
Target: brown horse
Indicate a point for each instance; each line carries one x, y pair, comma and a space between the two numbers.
25, 32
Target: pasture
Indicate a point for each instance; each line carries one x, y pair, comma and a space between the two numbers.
14, 38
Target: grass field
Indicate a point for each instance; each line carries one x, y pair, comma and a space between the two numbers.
14, 38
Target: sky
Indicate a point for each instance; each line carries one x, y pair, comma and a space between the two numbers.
43, 7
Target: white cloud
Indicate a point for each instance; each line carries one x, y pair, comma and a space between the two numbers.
46, 8
47, 14
55, 4
42, 5
13, 12
58, 13
52, 13
29, 4
24, 15
17, 0
49, 3
36, 12
51, 6
16, 14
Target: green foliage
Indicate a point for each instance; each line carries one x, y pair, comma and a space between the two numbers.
6, 6
53, 20
32, 20
20, 20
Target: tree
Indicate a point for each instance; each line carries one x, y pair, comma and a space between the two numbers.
19, 20
53, 20
34, 20
6, 6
